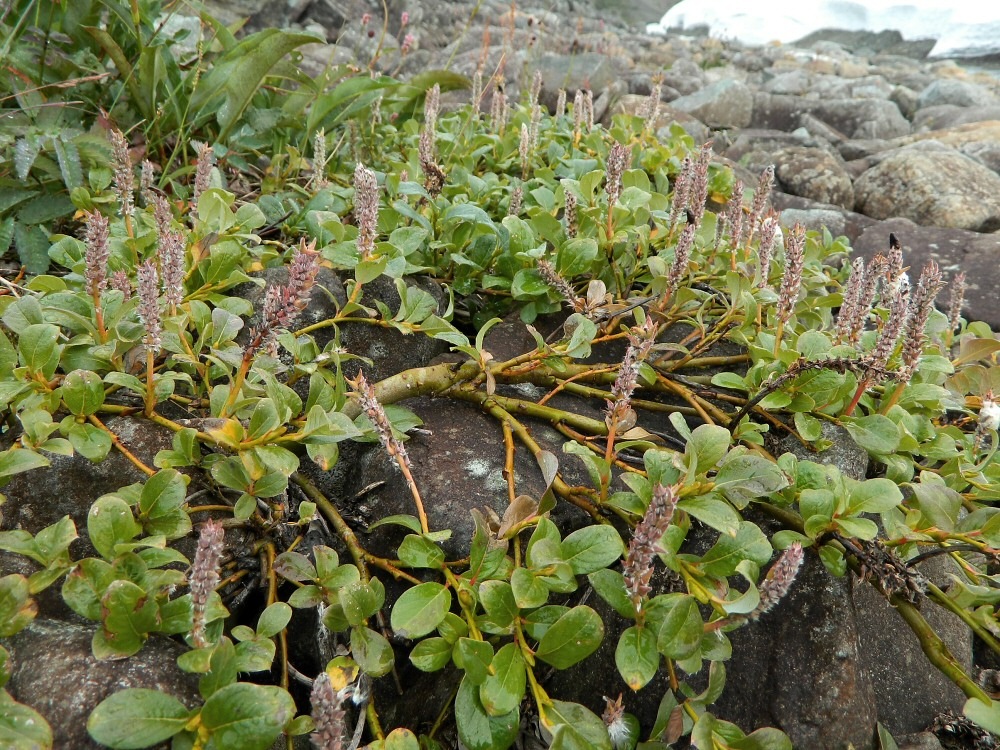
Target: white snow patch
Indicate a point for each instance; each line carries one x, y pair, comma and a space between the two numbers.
959, 29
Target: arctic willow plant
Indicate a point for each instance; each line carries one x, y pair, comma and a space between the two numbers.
692, 334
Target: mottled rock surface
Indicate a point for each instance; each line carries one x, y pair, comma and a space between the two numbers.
931, 184
54, 672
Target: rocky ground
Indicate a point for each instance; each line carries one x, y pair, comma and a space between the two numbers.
867, 135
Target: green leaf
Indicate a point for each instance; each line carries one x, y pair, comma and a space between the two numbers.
886, 742
529, 592
571, 638
610, 586
573, 727
474, 657
83, 392
591, 548
371, 651
874, 496
859, 528
129, 616
636, 656
263, 420
712, 511
681, 629
808, 426
294, 566
431, 654
708, 444
497, 598
986, 715
240, 73
746, 476
767, 738
22, 727
222, 669
502, 692
89, 441
875, 433
163, 493
17, 608
273, 620
136, 718
420, 552
110, 522
400, 739
38, 349
85, 585
361, 600
939, 505
420, 610
242, 716
750, 543
476, 728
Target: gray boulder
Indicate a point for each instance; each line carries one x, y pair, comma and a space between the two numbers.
945, 116
814, 173
955, 250
866, 118
933, 185
54, 672
953, 91
721, 105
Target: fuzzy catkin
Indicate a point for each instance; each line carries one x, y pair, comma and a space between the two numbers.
524, 150
779, 580
147, 171
328, 715
578, 113
121, 282
734, 216
365, 394
283, 304
203, 168
955, 301
205, 577
920, 307
148, 283
645, 544
682, 256
552, 277
699, 183
171, 248
432, 107
791, 280
851, 298
760, 198
866, 297
886, 342
770, 238
97, 252
682, 191
124, 177
516, 196
618, 157
619, 415
365, 209
569, 214
536, 88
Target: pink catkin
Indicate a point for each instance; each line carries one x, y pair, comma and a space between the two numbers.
205, 577
645, 544
779, 580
